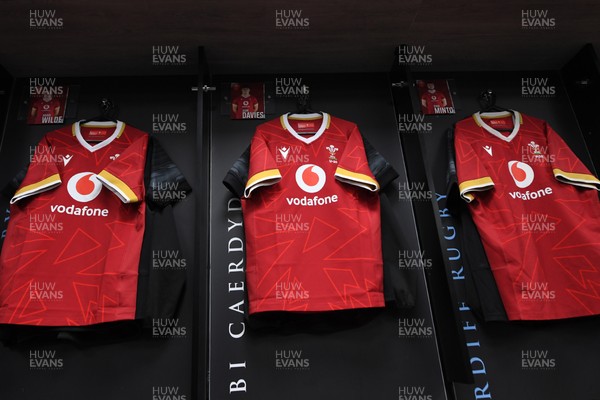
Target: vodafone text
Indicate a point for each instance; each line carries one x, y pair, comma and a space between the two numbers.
312, 201
83, 211
531, 195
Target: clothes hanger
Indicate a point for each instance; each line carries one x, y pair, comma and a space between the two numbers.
107, 112
487, 102
303, 104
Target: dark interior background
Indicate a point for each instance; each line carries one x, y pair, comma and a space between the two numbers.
114, 37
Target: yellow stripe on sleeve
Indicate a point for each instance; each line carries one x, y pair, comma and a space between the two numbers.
119, 186
53, 179
354, 177
264, 178
474, 185
575, 177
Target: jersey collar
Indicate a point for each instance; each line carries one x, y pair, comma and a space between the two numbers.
324, 125
516, 123
119, 127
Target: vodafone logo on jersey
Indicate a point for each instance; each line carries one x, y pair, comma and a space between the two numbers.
84, 187
310, 178
521, 173
523, 176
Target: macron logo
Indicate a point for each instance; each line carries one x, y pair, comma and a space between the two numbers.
67, 158
284, 152
488, 149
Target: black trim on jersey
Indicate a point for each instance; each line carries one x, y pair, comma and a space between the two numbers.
165, 184
481, 290
160, 288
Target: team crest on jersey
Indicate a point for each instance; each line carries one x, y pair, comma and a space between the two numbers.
535, 148
488, 149
332, 150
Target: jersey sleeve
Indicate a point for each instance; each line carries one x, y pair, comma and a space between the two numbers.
472, 174
42, 174
165, 183
566, 167
263, 169
353, 167
125, 175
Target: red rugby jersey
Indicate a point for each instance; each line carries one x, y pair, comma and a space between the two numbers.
72, 249
537, 212
311, 217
